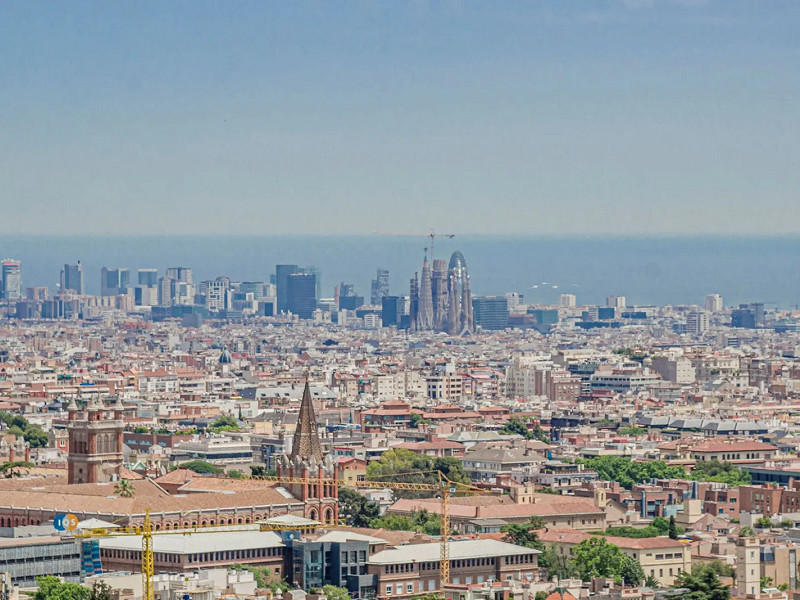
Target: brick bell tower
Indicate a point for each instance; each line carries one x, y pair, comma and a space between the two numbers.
306, 461
95, 442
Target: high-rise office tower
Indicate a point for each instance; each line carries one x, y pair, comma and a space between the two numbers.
346, 289
301, 294
697, 322
166, 291
567, 301
181, 274
114, 282
72, 278
379, 287
282, 273
148, 277
391, 310
317, 273
12, 280
616, 302
218, 294
491, 312
713, 303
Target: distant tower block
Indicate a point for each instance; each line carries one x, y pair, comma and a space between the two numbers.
95, 442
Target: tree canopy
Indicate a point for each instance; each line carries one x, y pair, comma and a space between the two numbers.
403, 465
13, 469
52, 588
224, 423
595, 557
524, 534
632, 431
723, 472
660, 526
516, 427
201, 467
357, 510
701, 584
629, 472
422, 520
335, 593
19, 425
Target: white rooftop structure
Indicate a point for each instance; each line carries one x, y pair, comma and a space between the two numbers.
459, 549
200, 541
349, 536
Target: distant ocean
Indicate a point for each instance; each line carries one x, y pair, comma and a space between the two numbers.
659, 270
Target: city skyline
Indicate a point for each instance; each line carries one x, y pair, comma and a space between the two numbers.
615, 118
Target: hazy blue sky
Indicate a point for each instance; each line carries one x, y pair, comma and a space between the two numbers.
347, 117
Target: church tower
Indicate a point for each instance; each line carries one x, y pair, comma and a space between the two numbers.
306, 461
95, 442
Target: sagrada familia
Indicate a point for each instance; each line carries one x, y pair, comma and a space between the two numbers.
441, 300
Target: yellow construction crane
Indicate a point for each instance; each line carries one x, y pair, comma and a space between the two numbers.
444, 488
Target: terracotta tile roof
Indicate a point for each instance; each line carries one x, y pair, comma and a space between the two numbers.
394, 538
732, 445
557, 506
89, 499
571, 536
177, 476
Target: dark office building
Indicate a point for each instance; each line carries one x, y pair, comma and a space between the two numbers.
545, 318
114, 281
748, 316
491, 312
72, 278
301, 294
350, 302
605, 313
282, 273
391, 310
339, 563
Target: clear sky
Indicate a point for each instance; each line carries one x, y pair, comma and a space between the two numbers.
562, 117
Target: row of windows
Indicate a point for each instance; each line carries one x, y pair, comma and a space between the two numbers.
661, 572
200, 557
236, 554
520, 559
355, 556
457, 564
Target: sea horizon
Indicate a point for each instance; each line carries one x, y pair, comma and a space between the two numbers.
648, 270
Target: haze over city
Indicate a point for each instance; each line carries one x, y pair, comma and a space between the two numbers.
614, 117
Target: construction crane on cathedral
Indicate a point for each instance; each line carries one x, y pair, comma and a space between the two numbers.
444, 488
431, 234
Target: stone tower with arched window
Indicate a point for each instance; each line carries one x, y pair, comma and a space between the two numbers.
306, 461
95, 442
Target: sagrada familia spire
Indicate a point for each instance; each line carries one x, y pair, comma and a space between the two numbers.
442, 300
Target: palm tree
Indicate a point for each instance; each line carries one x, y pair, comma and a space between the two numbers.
124, 489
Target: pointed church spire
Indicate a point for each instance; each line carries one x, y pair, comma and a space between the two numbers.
306, 441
